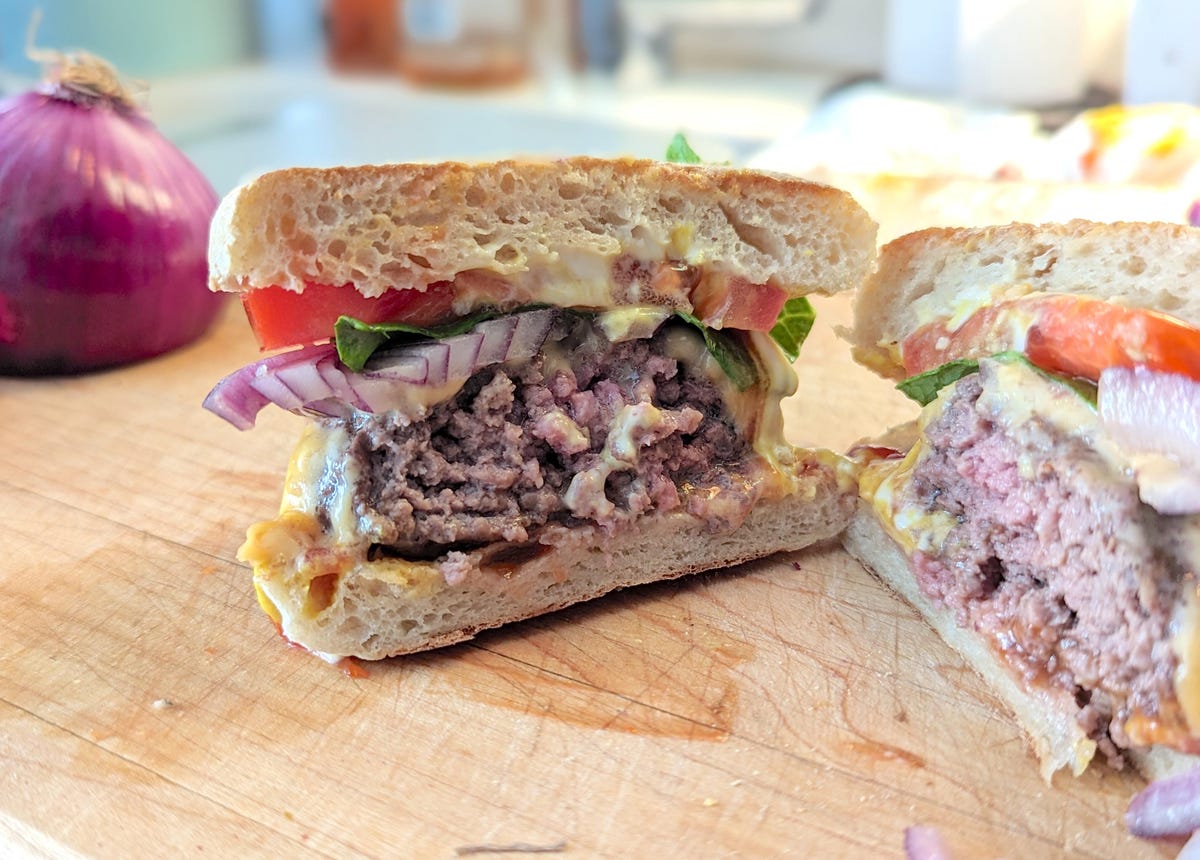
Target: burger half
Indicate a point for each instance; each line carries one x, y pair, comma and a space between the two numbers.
526, 383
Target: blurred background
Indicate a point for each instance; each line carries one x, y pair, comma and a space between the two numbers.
1060, 90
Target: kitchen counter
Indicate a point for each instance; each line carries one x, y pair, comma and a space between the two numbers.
787, 707
237, 122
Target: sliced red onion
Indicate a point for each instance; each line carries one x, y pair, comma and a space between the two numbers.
312, 380
399, 366
236, 399
1156, 418
334, 375
1168, 807
924, 843
1190, 849
465, 355
495, 344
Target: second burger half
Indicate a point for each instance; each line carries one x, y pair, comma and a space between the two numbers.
1044, 511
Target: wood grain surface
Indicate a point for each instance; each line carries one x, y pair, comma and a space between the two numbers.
786, 708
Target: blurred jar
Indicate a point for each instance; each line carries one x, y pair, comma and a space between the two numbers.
466, 43
361, 35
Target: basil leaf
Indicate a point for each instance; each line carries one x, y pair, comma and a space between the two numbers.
1085, 388
728, 351
679, 152
924, 387
794, 323
357, 341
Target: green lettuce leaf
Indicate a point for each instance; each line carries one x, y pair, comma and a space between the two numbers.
728, 351
357, 341
794, 323
924, 387
679, 152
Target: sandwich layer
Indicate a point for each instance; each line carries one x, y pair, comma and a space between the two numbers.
603, 462
1018, 529
387, 606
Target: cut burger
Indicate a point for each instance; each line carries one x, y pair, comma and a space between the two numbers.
527, 384
1044, 510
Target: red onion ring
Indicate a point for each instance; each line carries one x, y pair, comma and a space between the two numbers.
1151, 413
312, 380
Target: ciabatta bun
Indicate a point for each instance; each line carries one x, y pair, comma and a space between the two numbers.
405, 226
919, 276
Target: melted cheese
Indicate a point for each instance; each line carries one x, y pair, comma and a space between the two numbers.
621, 324
884, 484
292, 553
966, 302
755, 411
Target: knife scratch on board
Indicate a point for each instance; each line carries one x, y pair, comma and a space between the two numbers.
512, 848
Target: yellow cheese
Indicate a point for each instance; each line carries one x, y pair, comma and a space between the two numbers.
884, 484
621, 324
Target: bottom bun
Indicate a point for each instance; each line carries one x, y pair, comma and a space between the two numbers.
388, 606
1045, 716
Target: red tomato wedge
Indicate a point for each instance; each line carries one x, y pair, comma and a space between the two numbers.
741, 305
755, 309
1071, 335
281, 317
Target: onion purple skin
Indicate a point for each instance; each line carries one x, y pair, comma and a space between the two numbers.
1167, 808
103, 238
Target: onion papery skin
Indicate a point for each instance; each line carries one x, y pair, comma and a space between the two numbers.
103, 237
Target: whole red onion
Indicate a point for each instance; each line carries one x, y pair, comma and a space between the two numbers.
103, 229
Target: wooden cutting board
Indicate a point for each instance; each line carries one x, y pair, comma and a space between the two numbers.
790, 707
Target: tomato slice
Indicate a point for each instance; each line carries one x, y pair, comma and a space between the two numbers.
737, 303
281, 317
1071, 335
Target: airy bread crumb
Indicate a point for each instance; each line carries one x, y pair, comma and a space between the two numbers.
918, 276
406, 226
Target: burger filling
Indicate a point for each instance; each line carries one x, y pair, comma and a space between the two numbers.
1035, 536
601, 435
611, 422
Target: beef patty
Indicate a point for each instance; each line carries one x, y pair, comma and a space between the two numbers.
1054, 558
602, 433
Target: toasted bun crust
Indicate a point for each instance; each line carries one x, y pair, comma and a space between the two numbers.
374, 613
918, 277
1045, 717
405, 226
